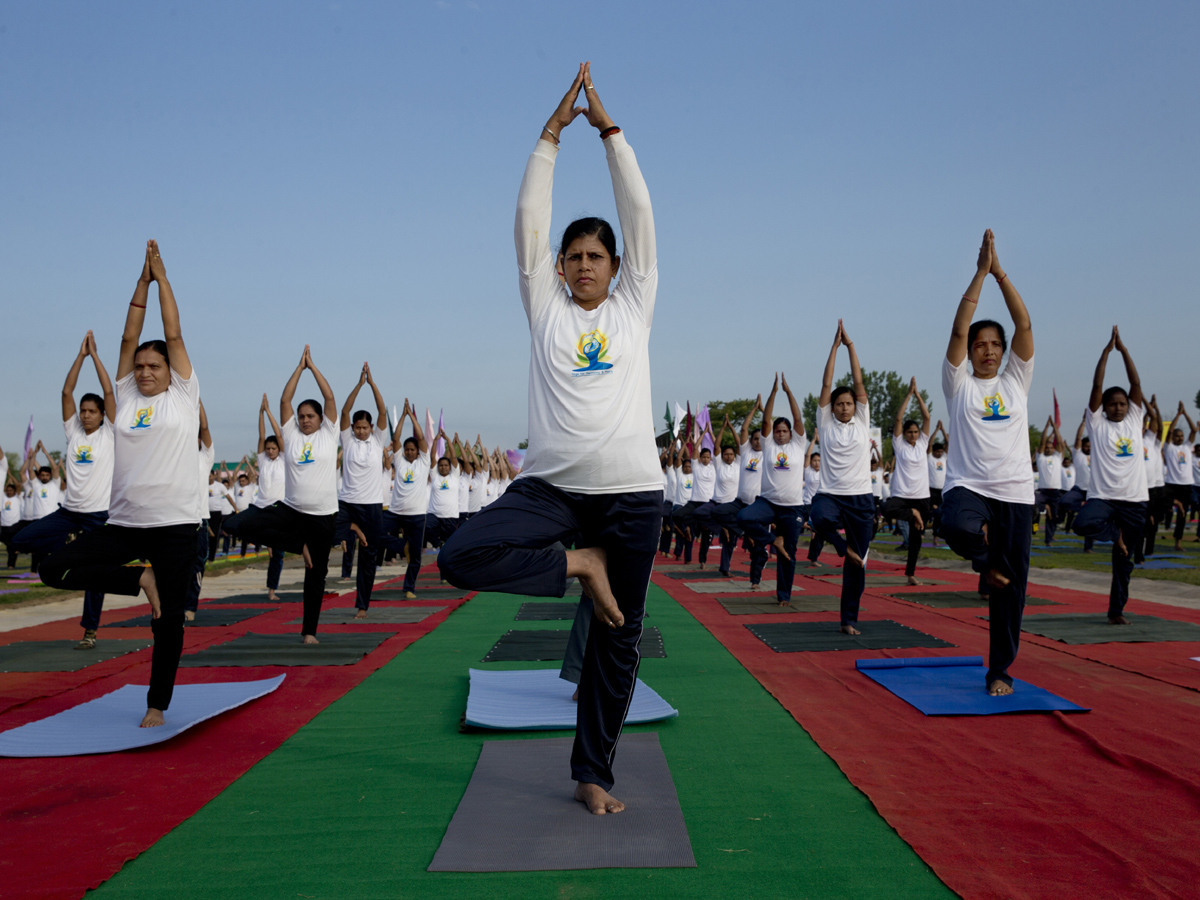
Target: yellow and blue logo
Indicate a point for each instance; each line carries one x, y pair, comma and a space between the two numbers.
688, 484
590, 353
83, 455
993, 408
444, 485
1124, 447
752, 464
306, 456
142, 418
408, 477
781, 460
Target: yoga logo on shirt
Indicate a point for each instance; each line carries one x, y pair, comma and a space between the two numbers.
688, 484
993, 408
781, 460
1125, 448
752, 464
444, 485
44, 493
1145, 453
591, 352
142, 418
306, 456
938, 465
408, 477
83, 456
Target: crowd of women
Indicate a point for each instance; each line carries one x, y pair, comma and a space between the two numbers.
596, 498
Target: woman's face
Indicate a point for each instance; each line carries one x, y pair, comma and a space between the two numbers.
843, 408
727, 455
308, 420
1116, 407
362, 429
911, 433
588, 268
272, 451
782, 433
151, 372
90, 416
986, 352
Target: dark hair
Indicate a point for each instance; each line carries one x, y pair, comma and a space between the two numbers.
360, 415
838, 391
1086, 438
411, 440
784, 420
1112, 392
45, 469
271, 439
976, 327
816, 453
159, 347
447, 459
313, 403
939, 446
704, 450
93, 398
908, 423
590, 226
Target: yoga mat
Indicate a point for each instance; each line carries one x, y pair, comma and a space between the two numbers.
875, 581
955, 686
376, 615
731, 586
281, 597
551, 644
958, 599
538, 700
286, 650
699, 575
110, 723
423, 593
61, 656
739, 606
882, 634
517, 814
1083, 628
540, 611
205, 618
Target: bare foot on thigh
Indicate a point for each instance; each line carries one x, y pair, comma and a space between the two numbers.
996, 578
598, 801
189, 615
152, 719
362, 538
148, 584
307, 557
853, 557
999, 689
575, 696
918, 522
590, 566
780, 548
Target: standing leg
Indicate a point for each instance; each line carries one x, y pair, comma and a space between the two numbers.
577, 641
197, 580
274, 568
858, 515
214, 527
414, 537
1129, 518
1010, 535
754, 520
369, 517
787, 526
171, 551
318, 537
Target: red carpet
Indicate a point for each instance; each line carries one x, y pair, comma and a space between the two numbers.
1103, 804
71, 822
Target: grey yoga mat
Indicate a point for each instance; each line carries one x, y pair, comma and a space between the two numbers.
541, 611
61, 656
551, 644
877, 581
376, 615
261, 597
205, 618
958, 599
877, 634
518, 815
423, 593
1093, 628
287, 650
740, 606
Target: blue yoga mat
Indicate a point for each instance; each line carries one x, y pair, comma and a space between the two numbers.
110, 723
954, 686
538, 700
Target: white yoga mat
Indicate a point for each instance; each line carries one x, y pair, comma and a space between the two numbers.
110, 723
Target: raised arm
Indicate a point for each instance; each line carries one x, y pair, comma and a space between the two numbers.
135, 318
422, 443
68, 391
205, 435
933, 437
348, 406
1078, 445
830, 365
860, 388
769, 409
1131, 372
1178, 416
263, 409
381, 417
1155, 416
1191, 425
289, 389
956, 352
176, 351
1022, 339
721, 434
326, 390
797, 417
106, 385
745, 433
1097, 393
1047, 433
921, 405
898, 425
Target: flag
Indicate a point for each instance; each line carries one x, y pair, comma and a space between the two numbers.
679, 415
1057, 417
430, 434
704, 422
28, 437
441, 443
393, 421
667, 418
688, 442
516, 458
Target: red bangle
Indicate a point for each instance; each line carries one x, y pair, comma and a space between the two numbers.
608, 132
970, 299
138, 305
1001, 278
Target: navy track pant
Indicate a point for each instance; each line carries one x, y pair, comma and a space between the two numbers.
856, 514
1102, 520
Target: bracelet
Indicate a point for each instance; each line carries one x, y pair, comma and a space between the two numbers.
551, 133
138, 305
970, 299
1001, 278
608, 132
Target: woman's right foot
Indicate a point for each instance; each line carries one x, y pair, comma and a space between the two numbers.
310, 639
150, 585
850, 629
590, 566
780, 548
152, 719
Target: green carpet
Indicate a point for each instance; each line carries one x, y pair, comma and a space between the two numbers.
356, 803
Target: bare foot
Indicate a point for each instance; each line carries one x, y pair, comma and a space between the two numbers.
918, 522
590, 566
785, 603
362, 538
754, 586
310, 639
189, 615
1121, 544
271, 595
853, 557
575, 696
1117, 620
148, 584
361, 614
985, 537
996, 578
598, 801
912, 581
780, 548
409, 595
307, 556
850, 629
152, 719
999, 689
1179, 546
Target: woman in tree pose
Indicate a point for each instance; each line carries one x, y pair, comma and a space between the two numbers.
1177, 473
592, 467
154, 510
1118, 497
410, 497
845, 500
1050, 477
910, 479
987, 506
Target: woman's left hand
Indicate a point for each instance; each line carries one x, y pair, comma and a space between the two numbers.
595, 113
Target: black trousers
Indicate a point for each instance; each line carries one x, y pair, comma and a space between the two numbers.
1181, 494
1050, 499
413, 528
215, 518
1006, 549
724, 515
1104, 520
508, 547
668, 528
369, 518
97, 560
1155, 513
901, 508
282, 528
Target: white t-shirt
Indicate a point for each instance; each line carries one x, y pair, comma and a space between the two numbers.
1152, 454
205, 456
846, 453
490, 492
218, 497
749, 473
1068, 476
156, 454
410, 490
885, 487
272, 480
89, 463
362, 467
10, 510
989, 420
45, 498
385, 489
783, 469
476, 491
1178, 461
728, 476
26, 502
937, 471
704, 479
464, 492
1082, 467
244, 496
670, 481
591, 425
876, 482
443, 495
683, 486
1196, 470
812, 485
1118, 464
910, 478
310, 473
1050, 471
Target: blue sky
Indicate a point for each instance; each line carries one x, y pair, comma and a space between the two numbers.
345, 174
